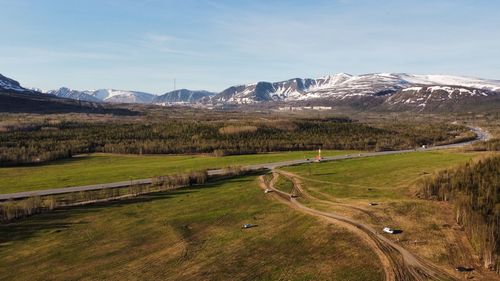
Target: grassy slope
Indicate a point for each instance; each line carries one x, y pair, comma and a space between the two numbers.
192, 234
387, 176
105, 168
284, 185
429, 228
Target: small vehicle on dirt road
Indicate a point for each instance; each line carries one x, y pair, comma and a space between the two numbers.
388, 230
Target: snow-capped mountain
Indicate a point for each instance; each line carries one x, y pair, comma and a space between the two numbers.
120, 96
338, 85
16, 99
73, 94
398, 91
183, 96
344, 87
104, 95
468, 82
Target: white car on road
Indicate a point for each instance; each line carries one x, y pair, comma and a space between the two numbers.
388, 230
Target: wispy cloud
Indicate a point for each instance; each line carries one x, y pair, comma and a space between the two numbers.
159, 38
173, 45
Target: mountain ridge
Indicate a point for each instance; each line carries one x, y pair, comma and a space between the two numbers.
385, 90
344, 85
400, 91
104, 95
16, 99
183, 96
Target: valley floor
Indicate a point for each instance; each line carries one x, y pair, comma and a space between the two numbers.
102, 168
196, 233
192, 234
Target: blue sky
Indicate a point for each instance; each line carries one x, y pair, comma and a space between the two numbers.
213, 44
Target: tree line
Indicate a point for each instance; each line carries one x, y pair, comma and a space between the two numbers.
49, 141
15, 209
474, 190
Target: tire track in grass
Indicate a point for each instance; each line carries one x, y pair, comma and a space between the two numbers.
398, 263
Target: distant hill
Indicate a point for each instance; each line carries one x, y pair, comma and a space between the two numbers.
16, 99
183, 96
104, 95
12, 86
73, 94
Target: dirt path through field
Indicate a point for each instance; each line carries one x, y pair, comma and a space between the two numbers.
398, 263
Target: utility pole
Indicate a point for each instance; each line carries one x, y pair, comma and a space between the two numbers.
174, 84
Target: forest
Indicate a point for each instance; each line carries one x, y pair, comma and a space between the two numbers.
45, 141
474, 190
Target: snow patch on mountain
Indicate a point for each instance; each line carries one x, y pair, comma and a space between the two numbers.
73, 94
425, 96
10, 84
463, 81
104, 95
343, 86
121, 96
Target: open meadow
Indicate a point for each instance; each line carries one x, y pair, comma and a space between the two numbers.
105, 168
375, 178
382, 192
190, 234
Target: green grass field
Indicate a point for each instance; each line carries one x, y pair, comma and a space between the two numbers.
429, 228
106, 168
190, 234
284, 184
381, 177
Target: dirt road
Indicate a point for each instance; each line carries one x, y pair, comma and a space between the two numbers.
398, 263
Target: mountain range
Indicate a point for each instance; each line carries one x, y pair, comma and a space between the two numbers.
395, 91
16, 99
104, 95
393, 88
182, 96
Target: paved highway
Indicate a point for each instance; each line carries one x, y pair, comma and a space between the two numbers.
481, 135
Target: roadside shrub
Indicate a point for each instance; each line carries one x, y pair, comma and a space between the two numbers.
19, 209
16, 209
490, 145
